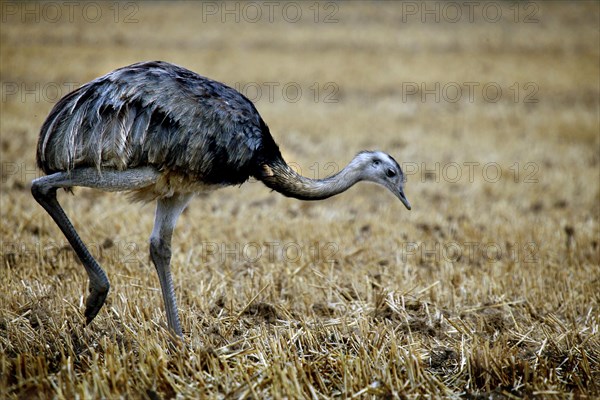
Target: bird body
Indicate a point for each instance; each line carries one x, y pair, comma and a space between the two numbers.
162, 132
194, 130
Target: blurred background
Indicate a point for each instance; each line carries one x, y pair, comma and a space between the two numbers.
428, 82
491, 108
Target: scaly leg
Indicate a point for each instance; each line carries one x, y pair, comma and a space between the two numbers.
44, 191
168, 211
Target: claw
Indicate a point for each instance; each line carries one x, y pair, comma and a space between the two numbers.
94, 303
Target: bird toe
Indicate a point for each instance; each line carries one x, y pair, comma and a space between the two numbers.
94, 303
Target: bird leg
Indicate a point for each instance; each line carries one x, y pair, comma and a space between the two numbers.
168, 210
44, 191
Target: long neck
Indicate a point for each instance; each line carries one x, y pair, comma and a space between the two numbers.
280, 177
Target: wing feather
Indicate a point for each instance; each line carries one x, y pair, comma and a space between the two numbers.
159, 114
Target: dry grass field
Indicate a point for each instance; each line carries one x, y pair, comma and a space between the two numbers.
488, 288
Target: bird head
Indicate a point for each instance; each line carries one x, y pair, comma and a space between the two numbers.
381, 168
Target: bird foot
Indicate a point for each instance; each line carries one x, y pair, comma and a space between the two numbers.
94, 303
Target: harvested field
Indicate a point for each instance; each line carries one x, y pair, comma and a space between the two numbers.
488, 288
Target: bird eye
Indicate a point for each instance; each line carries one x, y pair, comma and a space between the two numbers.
376, 162
390, 173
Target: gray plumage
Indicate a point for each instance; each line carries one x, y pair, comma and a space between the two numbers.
158, 114
164, 133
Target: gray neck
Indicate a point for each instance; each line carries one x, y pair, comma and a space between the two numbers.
283, 179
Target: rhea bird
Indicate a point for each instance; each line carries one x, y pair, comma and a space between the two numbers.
164, 133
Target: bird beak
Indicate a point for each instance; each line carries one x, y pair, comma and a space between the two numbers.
403, 199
